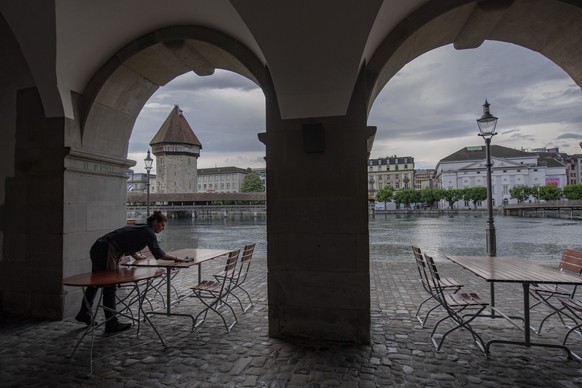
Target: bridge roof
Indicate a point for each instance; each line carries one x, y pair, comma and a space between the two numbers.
196, 197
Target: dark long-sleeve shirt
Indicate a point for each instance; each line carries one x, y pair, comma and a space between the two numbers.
133, 238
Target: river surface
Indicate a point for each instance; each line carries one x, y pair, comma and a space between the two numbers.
539, 239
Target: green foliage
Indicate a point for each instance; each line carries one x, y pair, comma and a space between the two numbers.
550, 193
452, 196
406, 197
573, 192
252, 183
430, 196
521, 192
385, 194
475, 194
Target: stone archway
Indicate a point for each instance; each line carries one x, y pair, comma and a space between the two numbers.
97, 142
549, 27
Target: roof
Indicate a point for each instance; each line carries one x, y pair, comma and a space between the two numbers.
223, 170
478, 153
176, 130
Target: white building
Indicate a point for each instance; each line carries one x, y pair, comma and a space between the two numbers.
467, 168
221, 179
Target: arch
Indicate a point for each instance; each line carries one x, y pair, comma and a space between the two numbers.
549, 27
118, 91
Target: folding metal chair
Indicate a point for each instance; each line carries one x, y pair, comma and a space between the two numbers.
545, 293
575, 308
212, 293
461, 308
449, 284
243, 272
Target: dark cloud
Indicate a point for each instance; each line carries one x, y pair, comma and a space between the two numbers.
574, 136
436, 98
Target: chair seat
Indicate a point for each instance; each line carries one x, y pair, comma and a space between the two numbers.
549, 288
465, 299
574, 304
208, 285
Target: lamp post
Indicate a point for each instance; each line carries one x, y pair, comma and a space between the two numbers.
148, 161
371, 200
487, 124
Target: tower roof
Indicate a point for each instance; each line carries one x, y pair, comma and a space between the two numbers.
176, 130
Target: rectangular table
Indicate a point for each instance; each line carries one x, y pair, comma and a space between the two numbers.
516, 270
200, 255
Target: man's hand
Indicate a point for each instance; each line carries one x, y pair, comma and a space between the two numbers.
138, 256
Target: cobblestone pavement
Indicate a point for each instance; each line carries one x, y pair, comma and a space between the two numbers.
34, 354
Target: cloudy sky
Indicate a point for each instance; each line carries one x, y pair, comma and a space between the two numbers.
427, 111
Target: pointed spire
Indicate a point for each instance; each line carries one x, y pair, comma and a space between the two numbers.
176, 130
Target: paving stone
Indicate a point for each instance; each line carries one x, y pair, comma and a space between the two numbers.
34, 353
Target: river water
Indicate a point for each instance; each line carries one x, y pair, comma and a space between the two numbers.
539, 239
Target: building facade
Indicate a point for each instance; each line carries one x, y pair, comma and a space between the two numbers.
391, 171
137, 182
221, 179
467, 168
423, 179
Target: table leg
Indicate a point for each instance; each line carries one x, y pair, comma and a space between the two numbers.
526, 328
168, 290
492, 292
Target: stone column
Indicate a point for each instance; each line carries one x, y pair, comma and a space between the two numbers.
31, 218
317, 226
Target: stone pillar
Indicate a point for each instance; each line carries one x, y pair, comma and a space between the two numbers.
31, 218
317, 229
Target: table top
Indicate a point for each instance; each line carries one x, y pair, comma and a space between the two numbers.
200, 255
514, 270
112, 278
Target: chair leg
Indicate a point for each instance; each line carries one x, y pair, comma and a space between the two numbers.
251, 304
418, 310
461, 323
214, 305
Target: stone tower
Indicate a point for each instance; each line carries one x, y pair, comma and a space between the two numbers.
177, 149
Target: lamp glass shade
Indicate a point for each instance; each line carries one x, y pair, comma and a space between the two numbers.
148, 161
487, 126
487, 122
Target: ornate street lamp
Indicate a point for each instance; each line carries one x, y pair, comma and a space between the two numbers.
487, 124
371, 200
148, 161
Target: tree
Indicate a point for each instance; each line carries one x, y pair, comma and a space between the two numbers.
475, 194
521, 192
430, 196
252, 183
573, 192
406, 197
550, 193
452, 196
385, 195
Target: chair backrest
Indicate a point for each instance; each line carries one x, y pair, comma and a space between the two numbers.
571, 261
435, 278
245, 262
421, 266
230, 265
248, 252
